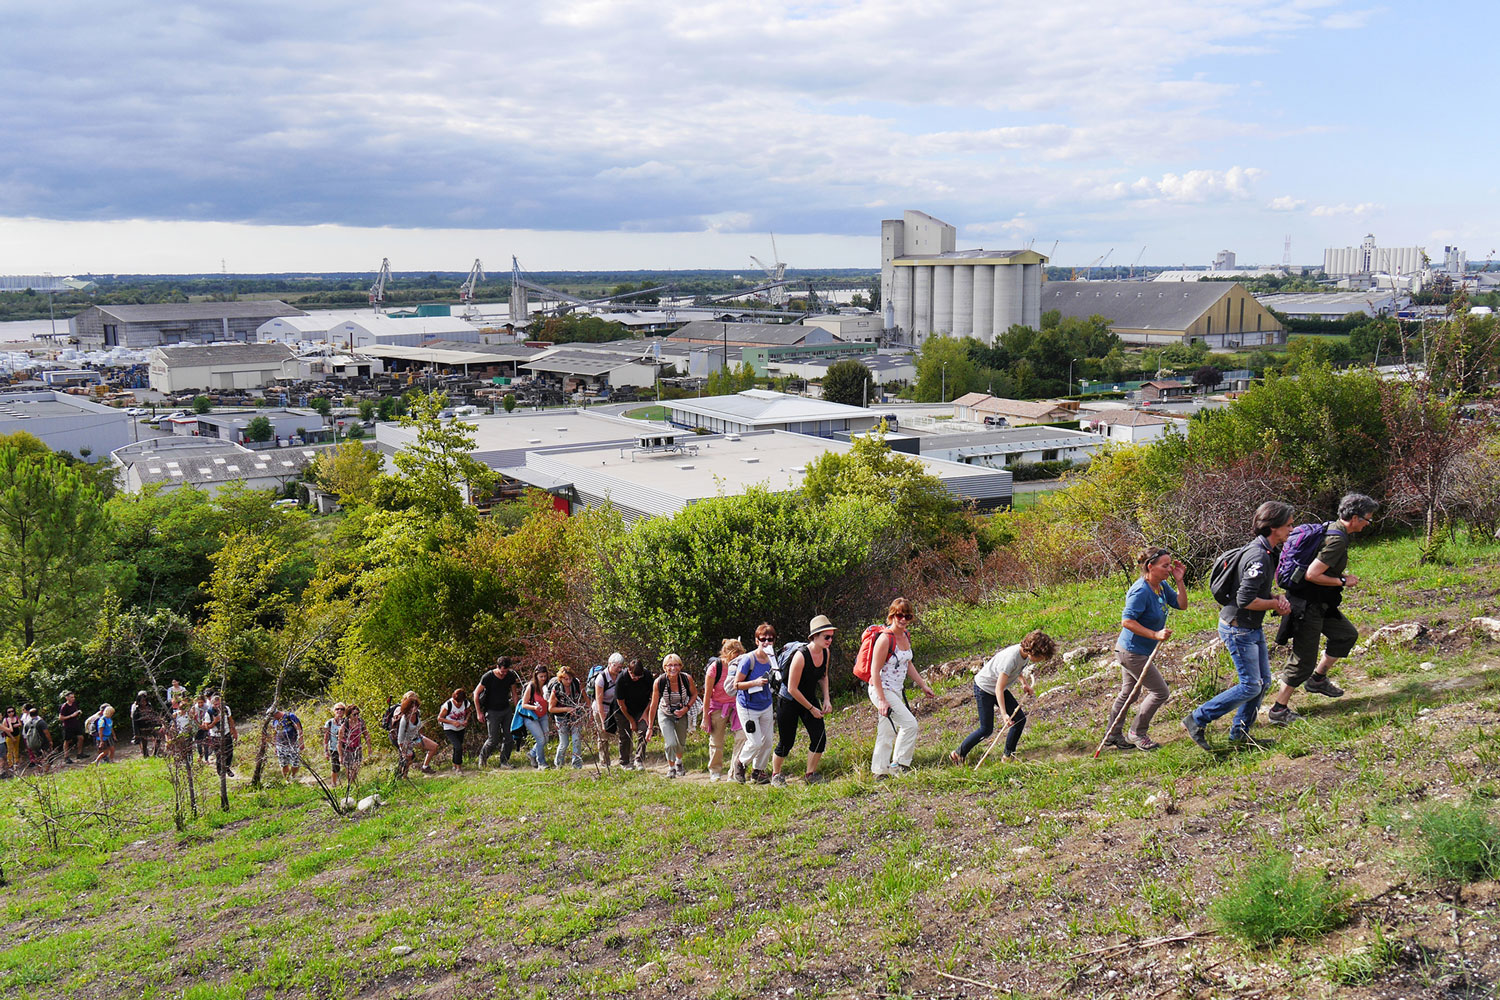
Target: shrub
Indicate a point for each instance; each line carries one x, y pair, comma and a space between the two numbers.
1460, 843
1269, 902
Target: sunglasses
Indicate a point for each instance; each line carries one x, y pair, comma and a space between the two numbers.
904, 618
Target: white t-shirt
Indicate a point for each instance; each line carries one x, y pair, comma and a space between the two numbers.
457, 716
1008, 661
893, 674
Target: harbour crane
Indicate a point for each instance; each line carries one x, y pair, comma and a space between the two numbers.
776, 271
1137, 261
1088, 272
377, 290
466, 291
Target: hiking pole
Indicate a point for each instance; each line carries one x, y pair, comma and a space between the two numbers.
1131, 700
996, 741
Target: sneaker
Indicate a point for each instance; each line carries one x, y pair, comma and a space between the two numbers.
1146, 743
760, 777
883, 776
738, 771
814, 778
899, 769
1195, 732
713, 777
1281, 715
1120, 743
779, 780
1321, 684
426, 769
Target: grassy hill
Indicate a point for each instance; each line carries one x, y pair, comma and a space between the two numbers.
1054, 875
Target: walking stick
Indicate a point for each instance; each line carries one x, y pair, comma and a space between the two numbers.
1129, 701
995, 742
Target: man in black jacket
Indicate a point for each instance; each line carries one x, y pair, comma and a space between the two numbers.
1240, 626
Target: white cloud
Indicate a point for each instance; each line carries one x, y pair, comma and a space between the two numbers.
1330, 211
1286, 203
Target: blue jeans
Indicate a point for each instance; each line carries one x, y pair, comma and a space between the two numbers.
538, 730
568, 730
985, 702
1252, 661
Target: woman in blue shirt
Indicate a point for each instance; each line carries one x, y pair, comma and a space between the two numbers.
1143, 625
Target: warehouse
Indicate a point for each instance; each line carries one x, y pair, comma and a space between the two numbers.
884, 367
850, 327
148, 326
653, 478
169, 464
1217, 313
1013, 446
286, 424
312, 327
414, 331
583, 371
480, 360
764, 410
221, 367
505, 438
932, 288
64, 422
1332, 305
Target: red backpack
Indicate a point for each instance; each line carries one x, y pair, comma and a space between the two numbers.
863, 667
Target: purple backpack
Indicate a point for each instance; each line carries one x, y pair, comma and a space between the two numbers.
1300, 550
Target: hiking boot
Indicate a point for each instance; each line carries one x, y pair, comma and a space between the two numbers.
779, 780
813, 778
1146, 743
1282, 715
1120, 743
1195, 732
883, 776
1320, 684
899, 769
738, 771
760, 777
715, 777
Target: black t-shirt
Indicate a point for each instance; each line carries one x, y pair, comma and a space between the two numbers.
71, 717
495, 692
634, 694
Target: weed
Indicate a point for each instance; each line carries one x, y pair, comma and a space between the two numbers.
1359, 967
1459, 843
1270, 902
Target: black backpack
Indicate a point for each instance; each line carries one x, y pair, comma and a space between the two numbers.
781, 668
1224, 576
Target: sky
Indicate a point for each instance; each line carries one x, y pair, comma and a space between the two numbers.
272, 136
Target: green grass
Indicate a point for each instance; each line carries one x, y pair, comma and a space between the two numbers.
1365, 965
1269, 902
1459, 843
652, 412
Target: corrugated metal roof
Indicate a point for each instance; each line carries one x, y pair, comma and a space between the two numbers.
1136, 305
184, 311
187, 356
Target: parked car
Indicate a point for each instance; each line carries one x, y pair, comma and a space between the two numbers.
137, 411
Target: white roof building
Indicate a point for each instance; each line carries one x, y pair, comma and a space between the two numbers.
206, 463
1130, 426
764, 410
189, 368
1331, 305
504, 439
312, 328
1013, 446
665, 478
65, 422
373, 328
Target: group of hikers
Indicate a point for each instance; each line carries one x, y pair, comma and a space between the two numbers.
751, 703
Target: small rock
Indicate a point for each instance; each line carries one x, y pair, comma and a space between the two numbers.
1150, 800
138, 843
649, 969
1079, 655
1486, 626
1399, 634
401, 950
1027, 849
1426, 665
370, 802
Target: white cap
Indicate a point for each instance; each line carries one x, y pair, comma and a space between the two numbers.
615, 659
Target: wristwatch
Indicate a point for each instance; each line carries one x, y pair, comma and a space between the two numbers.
1343, 580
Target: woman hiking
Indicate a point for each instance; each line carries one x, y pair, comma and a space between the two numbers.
1143, 627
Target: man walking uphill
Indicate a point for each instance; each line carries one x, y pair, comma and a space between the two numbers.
1315, 584
1240, 626
493, 701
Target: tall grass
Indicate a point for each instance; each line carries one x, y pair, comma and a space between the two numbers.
1460, 843
1270, 902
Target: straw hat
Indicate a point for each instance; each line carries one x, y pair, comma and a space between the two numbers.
820, 624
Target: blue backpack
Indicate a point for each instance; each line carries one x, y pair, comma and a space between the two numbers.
1300, 550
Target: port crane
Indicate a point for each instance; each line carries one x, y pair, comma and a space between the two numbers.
377, 290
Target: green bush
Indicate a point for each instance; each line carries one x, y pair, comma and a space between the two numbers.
1460, 843
1269, 902
724, 565
1024, 472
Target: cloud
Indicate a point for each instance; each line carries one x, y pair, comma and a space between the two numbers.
1331, 211
622, 114
1286, 203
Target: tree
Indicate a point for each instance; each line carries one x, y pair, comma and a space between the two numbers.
439, 464
259, 429
848, 382
202, 404
53, 532
942, 355
320, 405
367, 409
348, 470
510, 402
1207, 377
870, 469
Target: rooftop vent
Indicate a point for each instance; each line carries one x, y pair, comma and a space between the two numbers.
750, 460
687, 467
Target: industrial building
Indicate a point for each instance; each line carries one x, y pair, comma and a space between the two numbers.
850, 327
479, 360
42, 283
763, 410
312, 327
1218, 313
1129, 426
168, 464
661, 474
147, 326
716, 334
885, 367
414, 331
929, 287
64, 422
584, 371
1367, 258
502, 440
979, 407
221, 367
1013, 446
1332, 305
285, 424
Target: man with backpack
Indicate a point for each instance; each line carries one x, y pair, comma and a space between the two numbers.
34, 735
493, 702
603, 685
1241, 582
633, 690
1313, 569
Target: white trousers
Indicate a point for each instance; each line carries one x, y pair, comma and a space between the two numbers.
895, 735
755, 754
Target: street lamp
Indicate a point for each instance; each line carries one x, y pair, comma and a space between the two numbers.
1070, 376
945, 381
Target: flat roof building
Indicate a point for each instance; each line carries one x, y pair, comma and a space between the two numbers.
207, 464
1013, 446
413, 331
504, 439
146, 326
64, 422
1331, 305
1218, 313
285, 424
662, 481
762, 409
